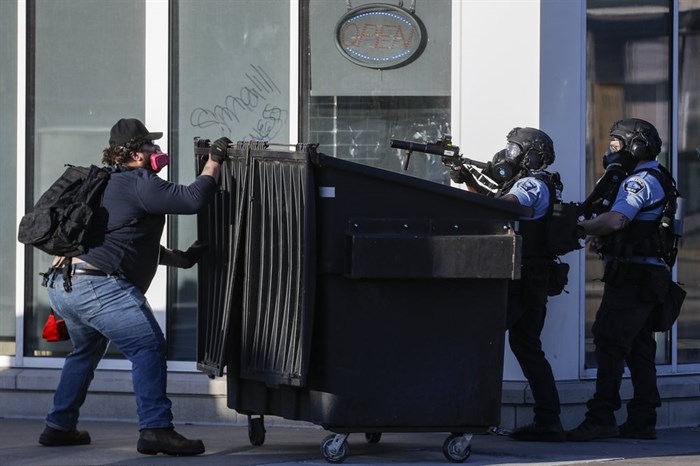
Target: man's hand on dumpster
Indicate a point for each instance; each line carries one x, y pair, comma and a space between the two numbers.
217, 150
182, 259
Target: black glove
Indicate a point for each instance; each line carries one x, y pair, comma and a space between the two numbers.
218, 148
580, 232
457, 176
182, 259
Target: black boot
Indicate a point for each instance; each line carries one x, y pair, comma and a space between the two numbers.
166, 440
51, 437
539, 432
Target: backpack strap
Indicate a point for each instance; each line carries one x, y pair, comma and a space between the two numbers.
665, 179
133, 221
553, 181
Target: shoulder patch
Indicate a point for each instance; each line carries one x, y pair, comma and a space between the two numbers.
527, 184
634, 185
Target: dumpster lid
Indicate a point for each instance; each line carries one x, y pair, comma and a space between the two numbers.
509, 207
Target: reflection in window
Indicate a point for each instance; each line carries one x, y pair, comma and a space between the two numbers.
353, 111
628, 46
359, 129
85, 77
8, 182
689, 177
232, 81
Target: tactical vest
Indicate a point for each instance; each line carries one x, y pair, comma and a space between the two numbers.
535, 233
643, 238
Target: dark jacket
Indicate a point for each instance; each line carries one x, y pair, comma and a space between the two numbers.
139, 199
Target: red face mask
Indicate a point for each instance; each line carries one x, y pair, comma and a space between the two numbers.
159, 160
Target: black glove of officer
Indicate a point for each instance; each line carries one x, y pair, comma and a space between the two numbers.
218, 148
182, 259
458, 176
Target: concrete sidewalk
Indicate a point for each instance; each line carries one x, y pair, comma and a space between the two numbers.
114, 443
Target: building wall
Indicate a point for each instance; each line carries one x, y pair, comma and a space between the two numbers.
519, 63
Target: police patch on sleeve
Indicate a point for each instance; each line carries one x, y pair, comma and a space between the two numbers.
527, 185
634, 185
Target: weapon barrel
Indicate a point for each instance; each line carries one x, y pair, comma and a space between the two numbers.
475, 163
435, 149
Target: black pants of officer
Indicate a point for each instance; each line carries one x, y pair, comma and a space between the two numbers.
622, 333
527, 309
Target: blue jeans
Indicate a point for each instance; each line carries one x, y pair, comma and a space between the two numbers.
99, 310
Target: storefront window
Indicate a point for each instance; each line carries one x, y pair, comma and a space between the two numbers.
353, 109
689, 177
86, 70
8, 178
231, 78
629, 69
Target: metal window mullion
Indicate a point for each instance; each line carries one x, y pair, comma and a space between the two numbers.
295, 93
673, 149
20, 258
156, 81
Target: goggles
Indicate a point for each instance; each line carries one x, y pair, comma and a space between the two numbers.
513, 151
615, 145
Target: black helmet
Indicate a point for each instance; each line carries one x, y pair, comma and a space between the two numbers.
535, 145
639, 137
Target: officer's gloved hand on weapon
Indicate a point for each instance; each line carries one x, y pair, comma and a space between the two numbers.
475, 180
457, 175
461, 169
601, 198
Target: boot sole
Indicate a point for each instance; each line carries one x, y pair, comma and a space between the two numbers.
53, 442
149, 449
575, 438
540, 438
639, 436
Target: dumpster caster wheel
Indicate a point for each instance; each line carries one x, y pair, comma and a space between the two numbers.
335, 448
256, 430
373, 437
457, 448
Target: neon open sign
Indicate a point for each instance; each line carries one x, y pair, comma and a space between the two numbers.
380, 36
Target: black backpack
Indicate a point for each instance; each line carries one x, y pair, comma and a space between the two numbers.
561, 233
562, 225
63, 219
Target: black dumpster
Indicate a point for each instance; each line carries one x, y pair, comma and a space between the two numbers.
355, 298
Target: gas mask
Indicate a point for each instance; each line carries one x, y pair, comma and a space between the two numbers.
158, 159
618, 158
504, 165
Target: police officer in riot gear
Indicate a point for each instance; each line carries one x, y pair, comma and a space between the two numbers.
636, 279
520, 172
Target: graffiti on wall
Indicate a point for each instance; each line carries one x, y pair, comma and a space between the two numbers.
257, 98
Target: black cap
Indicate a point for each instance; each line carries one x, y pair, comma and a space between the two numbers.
127, 129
